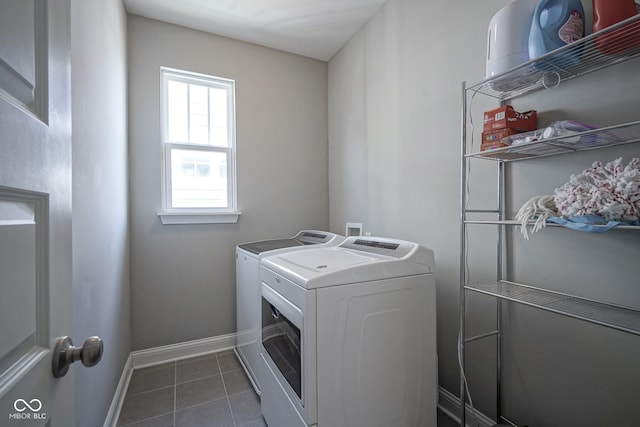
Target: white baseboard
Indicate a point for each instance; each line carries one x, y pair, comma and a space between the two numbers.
168, 353
450, 405
118, 398
154, 356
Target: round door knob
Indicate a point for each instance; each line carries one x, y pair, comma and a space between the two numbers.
64, 354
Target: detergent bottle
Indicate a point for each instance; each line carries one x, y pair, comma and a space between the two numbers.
610, 12
556, 23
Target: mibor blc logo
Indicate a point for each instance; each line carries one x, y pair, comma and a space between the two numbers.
28, 410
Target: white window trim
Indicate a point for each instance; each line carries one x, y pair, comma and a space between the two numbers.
195, 218
168, 215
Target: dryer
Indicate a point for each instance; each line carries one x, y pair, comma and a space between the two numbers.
248, 257
349, 335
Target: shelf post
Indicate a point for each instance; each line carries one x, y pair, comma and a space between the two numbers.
463, 278
499, 276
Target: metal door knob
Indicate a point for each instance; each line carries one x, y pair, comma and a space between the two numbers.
64, 354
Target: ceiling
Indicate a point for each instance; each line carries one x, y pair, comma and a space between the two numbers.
314, 28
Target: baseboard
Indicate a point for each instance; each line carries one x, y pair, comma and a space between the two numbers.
111, 419
450, 405
168, 353
154, 356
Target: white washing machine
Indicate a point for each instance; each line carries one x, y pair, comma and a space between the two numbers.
248, 304
349, 335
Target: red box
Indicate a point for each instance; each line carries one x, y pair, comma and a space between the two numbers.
497, 135
492, 145
492, 140
506, 117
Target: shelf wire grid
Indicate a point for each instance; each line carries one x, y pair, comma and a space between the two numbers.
514, 222
612, 45
590, 140
613, 316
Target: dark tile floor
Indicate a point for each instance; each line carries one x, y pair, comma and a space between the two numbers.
210, 391
204, 391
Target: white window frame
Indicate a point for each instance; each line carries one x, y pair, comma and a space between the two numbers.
174, 215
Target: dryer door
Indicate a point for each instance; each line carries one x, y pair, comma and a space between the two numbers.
282, 337
288, 352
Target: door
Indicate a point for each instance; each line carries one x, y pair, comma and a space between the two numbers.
282, 341
35, 210
281, 354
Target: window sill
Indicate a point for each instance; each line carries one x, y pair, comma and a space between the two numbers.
198, 218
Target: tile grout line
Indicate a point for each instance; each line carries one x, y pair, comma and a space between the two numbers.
175, 390
145, 417
226, 394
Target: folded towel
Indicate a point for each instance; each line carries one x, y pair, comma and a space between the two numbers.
597, 200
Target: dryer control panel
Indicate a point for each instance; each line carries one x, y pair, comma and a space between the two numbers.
380, 246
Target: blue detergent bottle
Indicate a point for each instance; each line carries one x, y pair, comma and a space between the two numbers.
556, 23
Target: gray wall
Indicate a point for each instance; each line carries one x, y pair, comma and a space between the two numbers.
394, 126
183, 276
100, 208
394, 145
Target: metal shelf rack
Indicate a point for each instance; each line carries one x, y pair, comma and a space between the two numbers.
531, 223
625, 133
624, 319
554, 67
609, 47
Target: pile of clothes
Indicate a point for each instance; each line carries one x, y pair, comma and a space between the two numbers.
596, 200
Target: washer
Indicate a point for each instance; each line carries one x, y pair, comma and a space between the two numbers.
349, 335
248, 257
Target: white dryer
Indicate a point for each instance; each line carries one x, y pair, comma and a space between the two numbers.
349, 335
248, 304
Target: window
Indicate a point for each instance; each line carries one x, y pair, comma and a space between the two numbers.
198, 138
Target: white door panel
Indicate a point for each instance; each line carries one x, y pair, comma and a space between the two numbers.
17, 262
35, 210
23, 54
376, 352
